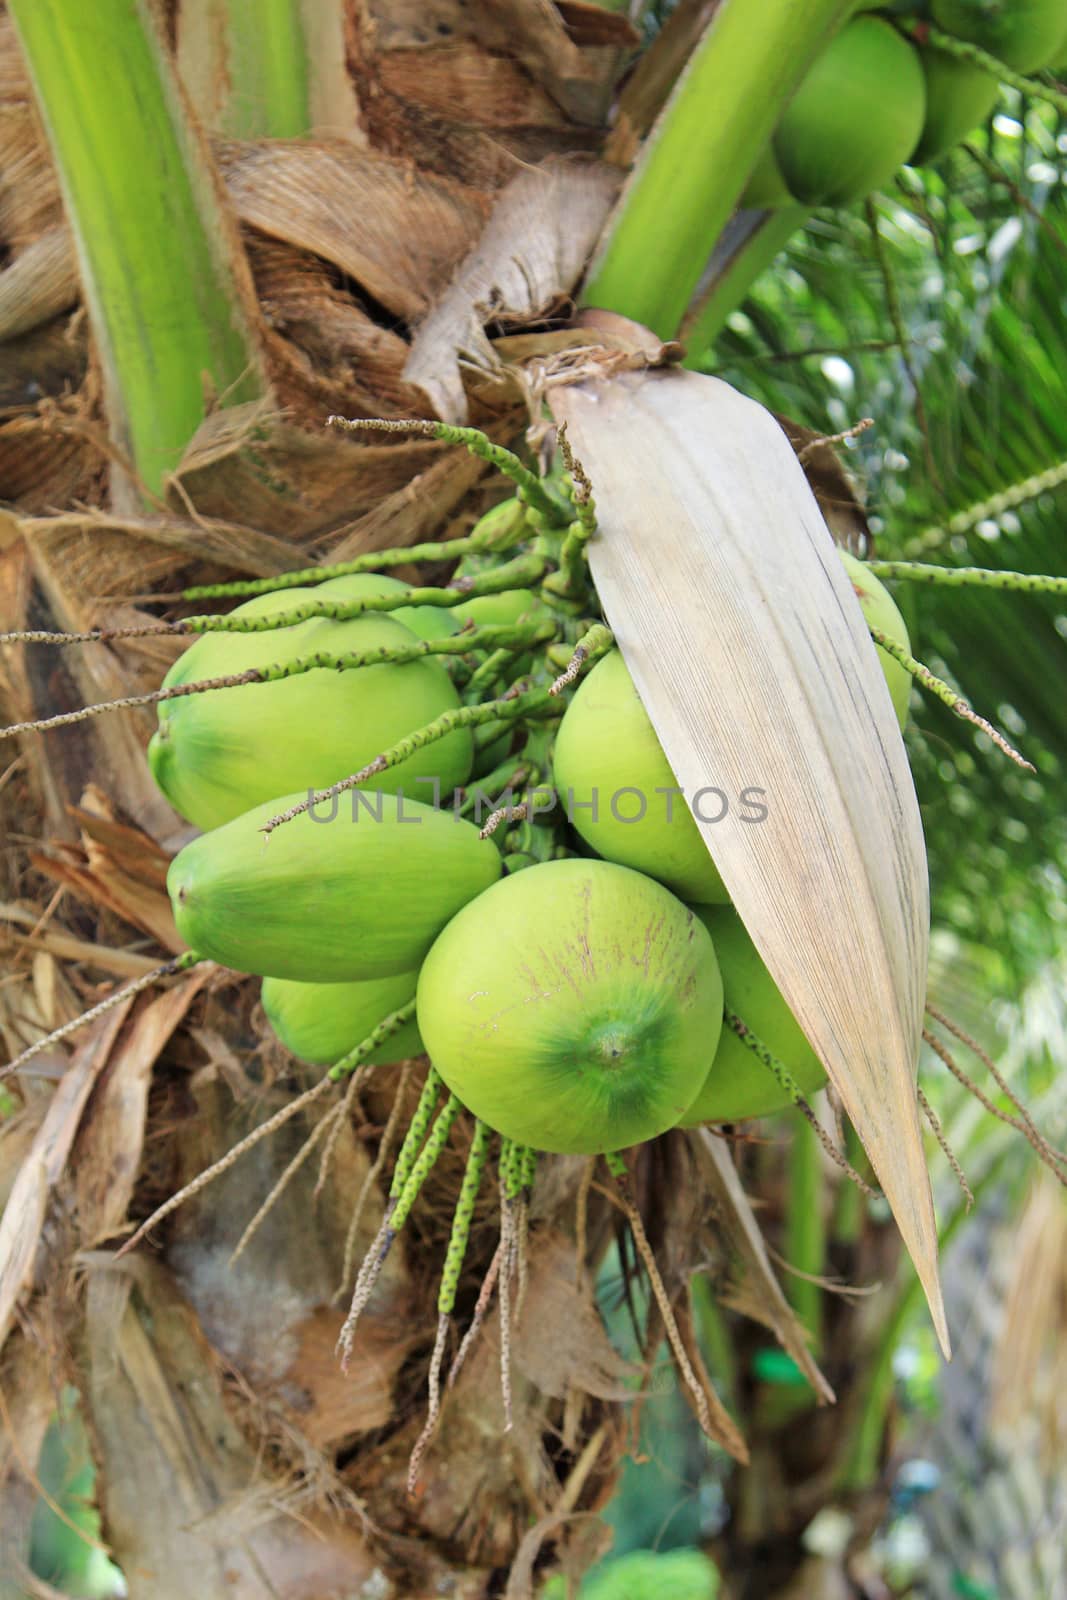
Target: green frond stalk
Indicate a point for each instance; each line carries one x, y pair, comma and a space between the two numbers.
161, 265
696, 162
266, 66
805, 1228
750, 243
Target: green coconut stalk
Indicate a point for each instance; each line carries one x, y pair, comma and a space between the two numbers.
698, 158
161, 267
805, 1228
747, 247
270, 95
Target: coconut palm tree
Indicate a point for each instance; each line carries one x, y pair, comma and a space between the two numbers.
215, 236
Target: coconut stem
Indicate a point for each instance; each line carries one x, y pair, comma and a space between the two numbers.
1017, 494
529, 485
370, 561
593, 644
521, 573
241, 1148
662, 1298
498, 664
1052, 1158
485, 1295
518, 634
991, 1067
939, 1134
418, 1128
792, 1089
963, 50
462, 1217
446, 1297
966, 577
436, 1140
332, 1119
949, 697
508, 707
384, 1147
501, 784
340, 1122
396, 1214
349, 1063
507, 1268
168, 969
528, 1169
366, 1047
433, 1410
572, 579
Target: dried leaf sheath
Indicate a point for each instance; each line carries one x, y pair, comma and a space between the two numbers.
748, 647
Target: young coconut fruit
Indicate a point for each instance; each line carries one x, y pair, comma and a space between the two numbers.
216, 754
425, 622
337, 901
880, 611
573, 1006
959, 96
856, 117
618, 790
1024, 34
507, 607
321, 1022
738, 1086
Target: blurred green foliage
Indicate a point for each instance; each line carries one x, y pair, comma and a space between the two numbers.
646, 1575
65, 1547
977, 252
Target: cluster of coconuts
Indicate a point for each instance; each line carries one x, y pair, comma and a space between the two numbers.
874, 100
569, 977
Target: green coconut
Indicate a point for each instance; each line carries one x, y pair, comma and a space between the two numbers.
337, 895
880, 611
321, 1022
608, 764
499, 528
856, 117
425, 622
573, 1006
959, 97
502, 610
510, 605
738, 1086
216, 754
1024, 34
